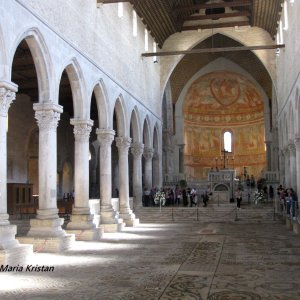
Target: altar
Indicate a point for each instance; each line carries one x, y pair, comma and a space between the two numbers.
222, 185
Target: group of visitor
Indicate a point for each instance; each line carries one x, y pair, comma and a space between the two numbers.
173, 196
288, 201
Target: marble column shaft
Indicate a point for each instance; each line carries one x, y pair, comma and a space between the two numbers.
7, 95
148, 155
297, 144
268, 155
82, 130
48, 116
123, 144
293, 179
137, 152
105, 138
287, 167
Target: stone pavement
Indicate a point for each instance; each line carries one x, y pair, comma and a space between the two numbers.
197, 260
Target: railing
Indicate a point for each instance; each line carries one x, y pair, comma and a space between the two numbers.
271, 176
222, 175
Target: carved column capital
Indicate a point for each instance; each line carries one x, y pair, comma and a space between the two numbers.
285, 151
137, 150
148, 153
292, 148
297, 143
123, 143
82, 129
47, 115
7, 96
105, 137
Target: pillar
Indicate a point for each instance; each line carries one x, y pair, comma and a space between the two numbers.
11, 252
292, 170
286, 153
81, 223
268, 155
157, 182
148, 155
123, 144
108, 217
46, 233
297, 146
137, 152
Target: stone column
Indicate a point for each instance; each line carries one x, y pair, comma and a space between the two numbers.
11, 252
268, 155
46, 228
148, 155
275, 159
181, 159
108, 217
81, 223
137, 152
292, 170
123, 144
297, 146
156, 170
286, 153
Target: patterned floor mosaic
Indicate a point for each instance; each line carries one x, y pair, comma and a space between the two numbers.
221, 261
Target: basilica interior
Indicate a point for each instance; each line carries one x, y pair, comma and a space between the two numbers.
111, 112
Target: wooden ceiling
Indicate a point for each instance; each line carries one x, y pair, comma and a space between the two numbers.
163, 18
166, 17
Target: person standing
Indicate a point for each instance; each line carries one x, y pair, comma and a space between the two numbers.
238, 196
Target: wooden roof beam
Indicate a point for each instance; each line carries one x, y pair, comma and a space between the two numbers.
213, 5
218, 16
215, 25
213, 50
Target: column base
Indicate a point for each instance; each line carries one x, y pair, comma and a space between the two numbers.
288, 223
129, 218
112, 228
46, 228
49, 244
296, 227
11, 252
81, 222
94, 234
110, 221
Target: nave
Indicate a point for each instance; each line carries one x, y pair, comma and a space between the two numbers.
254, 257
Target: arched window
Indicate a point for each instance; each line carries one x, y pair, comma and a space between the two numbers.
227, 140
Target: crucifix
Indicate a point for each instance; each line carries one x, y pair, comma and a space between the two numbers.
224, 151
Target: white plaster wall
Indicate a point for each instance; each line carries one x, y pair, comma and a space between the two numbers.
111, 54
107, 39
288, 62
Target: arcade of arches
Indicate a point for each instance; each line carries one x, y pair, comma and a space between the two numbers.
83, 117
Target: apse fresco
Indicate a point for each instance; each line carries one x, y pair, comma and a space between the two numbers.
217, 102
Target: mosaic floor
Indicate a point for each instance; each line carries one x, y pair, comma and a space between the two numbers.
229, 261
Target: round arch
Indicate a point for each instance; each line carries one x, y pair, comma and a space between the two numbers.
121, 117
77, 83
102, 104
41, 58
135, 125
259, 34
146, 132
